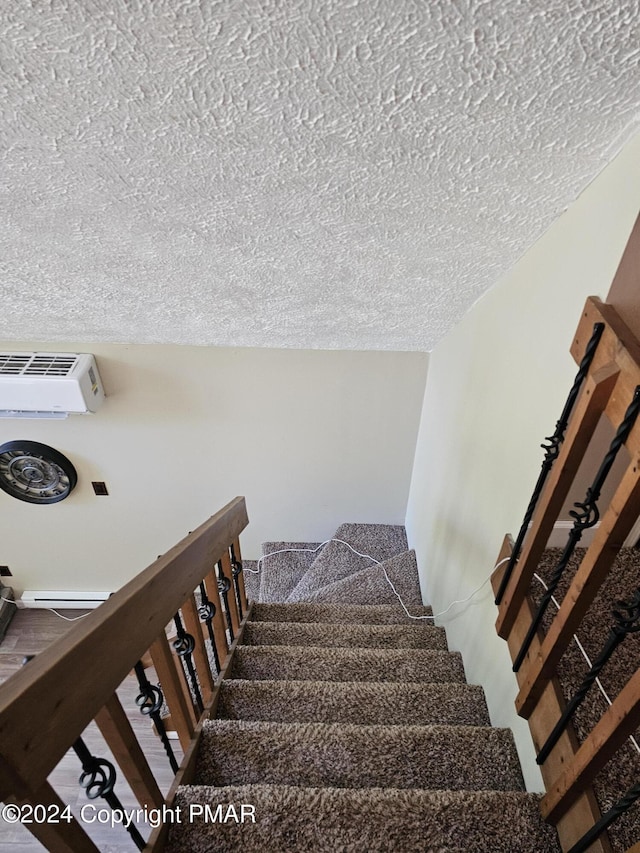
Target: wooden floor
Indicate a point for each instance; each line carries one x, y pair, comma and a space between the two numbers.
30, 632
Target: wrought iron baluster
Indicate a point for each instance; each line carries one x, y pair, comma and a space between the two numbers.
552, 449
98, 778
627, 621
184, 644
207, 611
586, 516
150, 700
236, 571
224, 585
618, 809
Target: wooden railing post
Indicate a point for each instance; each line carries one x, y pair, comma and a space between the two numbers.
174, 689
194, 627
219, 630
121, 740
619, 721
237, 554
231, 595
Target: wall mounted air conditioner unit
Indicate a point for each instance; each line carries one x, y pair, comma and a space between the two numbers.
48, 384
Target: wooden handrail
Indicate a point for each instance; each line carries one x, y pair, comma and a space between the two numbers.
47, 705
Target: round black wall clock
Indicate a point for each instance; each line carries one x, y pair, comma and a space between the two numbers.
35, 473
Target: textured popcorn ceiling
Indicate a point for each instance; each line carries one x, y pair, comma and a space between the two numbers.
292, 173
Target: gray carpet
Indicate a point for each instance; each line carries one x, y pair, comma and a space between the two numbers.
337, 561
363, 702
417, 636
624, 770
281, 572
370, 584
314, 663
365, 614
251, 579
350, 727
338, 820
238, 752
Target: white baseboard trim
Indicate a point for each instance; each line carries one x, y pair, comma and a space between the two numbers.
560, 533
558, 538
67, 600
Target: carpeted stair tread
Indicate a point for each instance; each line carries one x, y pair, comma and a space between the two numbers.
281, 572
313, 663
325, 820
364, 614
370, 586
237, 752
336, 560
359, 702
417, 636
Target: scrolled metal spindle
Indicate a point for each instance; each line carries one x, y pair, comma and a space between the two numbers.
585, 515
150, 701
552, 449
206, 611
98, 778
236, 571
184, 644
224, 585
617, 810
627, 621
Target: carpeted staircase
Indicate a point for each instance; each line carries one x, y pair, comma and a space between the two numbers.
344, 725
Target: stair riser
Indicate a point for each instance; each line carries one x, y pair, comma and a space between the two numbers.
318, 664
344, 636
366, 614
362, 703
319, 755
293, 820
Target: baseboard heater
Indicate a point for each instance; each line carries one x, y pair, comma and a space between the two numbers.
63, 599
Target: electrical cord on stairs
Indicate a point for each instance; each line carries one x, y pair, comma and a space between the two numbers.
384, 571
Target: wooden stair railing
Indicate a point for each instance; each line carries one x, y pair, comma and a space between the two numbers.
610, 387
46, 706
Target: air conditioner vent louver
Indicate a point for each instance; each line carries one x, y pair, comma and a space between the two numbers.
36, 365
13, 363
50, 365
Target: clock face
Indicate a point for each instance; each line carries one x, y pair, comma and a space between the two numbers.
35, 473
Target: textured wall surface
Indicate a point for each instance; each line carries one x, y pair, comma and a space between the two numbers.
310, 173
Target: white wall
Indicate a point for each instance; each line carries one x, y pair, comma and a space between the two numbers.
495, 388
311, 438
